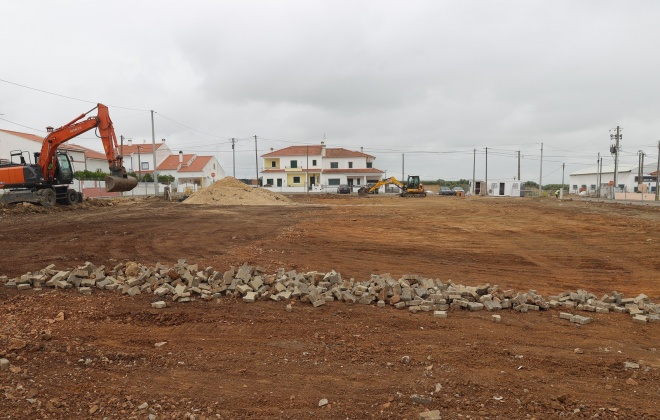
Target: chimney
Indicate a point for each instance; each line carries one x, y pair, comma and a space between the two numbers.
130, 142
361, 149
180, 156
322, 149
163, 141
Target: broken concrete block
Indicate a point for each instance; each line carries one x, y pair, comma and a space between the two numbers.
439, 314
582, 320
497, 319
565, 315
640, 319
430, 415
475, 306
158, 305
4, 364
250, 297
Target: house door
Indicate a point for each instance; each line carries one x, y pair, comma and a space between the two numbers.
501, 188
279, 182
312, 180
350, 182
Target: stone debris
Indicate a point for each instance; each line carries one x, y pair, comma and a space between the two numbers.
323, 401
185, 282
430, 415
4, 364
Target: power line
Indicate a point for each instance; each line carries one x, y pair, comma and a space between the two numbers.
68, 97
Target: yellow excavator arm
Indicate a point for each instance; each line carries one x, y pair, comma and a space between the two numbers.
413, 189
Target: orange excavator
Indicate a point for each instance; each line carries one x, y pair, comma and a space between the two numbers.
47, 181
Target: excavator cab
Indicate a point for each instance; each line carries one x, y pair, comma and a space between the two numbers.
413, 182
64, 170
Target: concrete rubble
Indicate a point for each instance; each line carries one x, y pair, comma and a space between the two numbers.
185, 282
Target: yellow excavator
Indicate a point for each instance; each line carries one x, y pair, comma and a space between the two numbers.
413, 188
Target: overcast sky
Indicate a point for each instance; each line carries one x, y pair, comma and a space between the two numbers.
433, 80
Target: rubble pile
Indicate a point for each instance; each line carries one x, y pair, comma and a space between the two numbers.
186, 282
230, 191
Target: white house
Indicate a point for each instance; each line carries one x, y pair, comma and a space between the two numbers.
191, 170
589, 179
498, 187
315, 167
139, 158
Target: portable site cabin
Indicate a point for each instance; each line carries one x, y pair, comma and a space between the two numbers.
499, 188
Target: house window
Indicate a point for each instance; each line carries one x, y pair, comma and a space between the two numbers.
145, 166
314, 162
334, 165
357, 181
294, 164
296, 180
592, 187
334, 181
370, 165
350, 165
269, 181
574, 187
272, 164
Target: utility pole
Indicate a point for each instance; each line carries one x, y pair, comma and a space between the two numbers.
541, 173
640, 171
233, 156
486, 181
519, 166
306, 170
561, 192
598, 176
256, 159
153, 144
614, 149
657, 175
474, 165
403, 167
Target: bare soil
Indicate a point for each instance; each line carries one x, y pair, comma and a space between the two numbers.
229, 359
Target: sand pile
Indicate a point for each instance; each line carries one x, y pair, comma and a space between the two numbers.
231, 192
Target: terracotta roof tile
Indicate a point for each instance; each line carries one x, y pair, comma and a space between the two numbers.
35, 138
133, 149
171, 163
196, 165
315, 150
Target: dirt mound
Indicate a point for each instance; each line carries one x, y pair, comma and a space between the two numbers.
231, 192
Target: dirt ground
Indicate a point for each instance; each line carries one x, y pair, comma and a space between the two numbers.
230, 359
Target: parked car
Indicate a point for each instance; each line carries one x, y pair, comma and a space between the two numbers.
457, 190
344, 189
446, 191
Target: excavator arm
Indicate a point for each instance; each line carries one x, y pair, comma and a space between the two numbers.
366, 190
118, 179
412, 189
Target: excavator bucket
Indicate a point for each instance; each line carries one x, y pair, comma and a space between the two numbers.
363, 192
120, 184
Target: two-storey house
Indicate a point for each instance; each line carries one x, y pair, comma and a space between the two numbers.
317, 167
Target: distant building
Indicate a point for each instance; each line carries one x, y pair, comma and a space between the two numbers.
498, 187
590, 181
190, 170
317, 167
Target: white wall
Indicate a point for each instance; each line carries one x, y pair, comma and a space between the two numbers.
9, 142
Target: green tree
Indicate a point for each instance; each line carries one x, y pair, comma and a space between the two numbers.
165, 179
